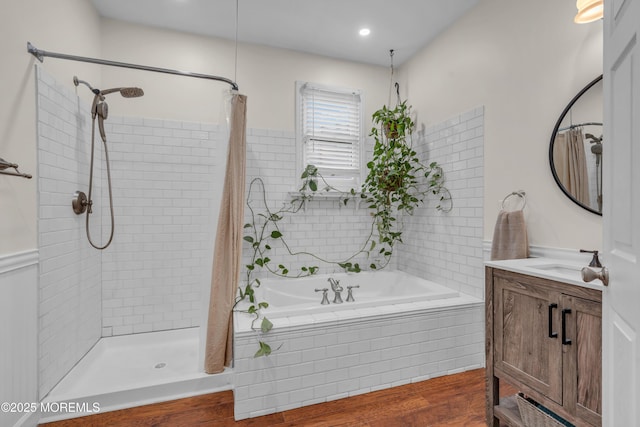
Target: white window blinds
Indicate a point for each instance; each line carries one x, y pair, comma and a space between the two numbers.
331, 130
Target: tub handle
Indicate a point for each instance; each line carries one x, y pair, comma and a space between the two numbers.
325, 297
350, 293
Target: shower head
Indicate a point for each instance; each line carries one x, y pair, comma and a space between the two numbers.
126, 92
99, 108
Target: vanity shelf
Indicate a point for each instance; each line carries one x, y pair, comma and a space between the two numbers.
543, 337
507, 411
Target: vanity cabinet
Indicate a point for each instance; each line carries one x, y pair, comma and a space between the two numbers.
543, 338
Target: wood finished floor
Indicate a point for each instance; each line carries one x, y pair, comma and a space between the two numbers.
454, 400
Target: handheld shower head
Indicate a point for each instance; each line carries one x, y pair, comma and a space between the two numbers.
126, 92
99, 108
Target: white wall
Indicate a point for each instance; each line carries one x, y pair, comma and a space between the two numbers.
523, 61
266, 75
69, 26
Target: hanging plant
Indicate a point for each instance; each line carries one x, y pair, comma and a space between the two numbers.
395, 184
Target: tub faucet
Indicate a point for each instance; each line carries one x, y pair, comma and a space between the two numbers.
325, 299
337, 288
350, 294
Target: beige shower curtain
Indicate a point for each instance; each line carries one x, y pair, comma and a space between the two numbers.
570, 162
228, 245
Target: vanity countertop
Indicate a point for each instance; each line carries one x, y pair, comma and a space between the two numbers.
548, 268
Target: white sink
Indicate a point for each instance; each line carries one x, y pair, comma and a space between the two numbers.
565, 270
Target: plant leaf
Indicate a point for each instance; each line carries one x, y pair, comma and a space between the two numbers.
265, 349
266, 325
275, 234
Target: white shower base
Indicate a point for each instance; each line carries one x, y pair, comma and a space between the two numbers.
132, 370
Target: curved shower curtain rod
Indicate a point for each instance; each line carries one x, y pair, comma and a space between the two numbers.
41, 54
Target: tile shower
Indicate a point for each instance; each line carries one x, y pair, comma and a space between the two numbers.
165, 194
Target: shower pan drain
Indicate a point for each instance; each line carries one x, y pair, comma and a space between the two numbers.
160, 365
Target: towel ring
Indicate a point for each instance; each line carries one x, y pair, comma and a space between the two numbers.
520, 194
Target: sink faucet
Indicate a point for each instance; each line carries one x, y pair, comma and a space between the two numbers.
337, 288
595, 261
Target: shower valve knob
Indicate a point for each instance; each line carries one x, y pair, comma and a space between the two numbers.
80, 203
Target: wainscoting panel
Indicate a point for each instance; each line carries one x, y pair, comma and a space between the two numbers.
18, 333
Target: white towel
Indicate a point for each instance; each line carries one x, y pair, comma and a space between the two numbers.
510, 236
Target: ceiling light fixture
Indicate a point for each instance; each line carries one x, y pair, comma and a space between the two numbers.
365, 32
588, 11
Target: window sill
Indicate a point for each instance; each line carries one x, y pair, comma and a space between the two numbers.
322, 196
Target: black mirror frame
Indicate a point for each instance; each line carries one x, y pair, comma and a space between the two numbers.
553, 137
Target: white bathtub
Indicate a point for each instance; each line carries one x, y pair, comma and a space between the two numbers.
400, 329
292, 297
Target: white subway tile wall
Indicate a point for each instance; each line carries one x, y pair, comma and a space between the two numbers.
325, 229
69, 271
447, 247
165, 196
331, 360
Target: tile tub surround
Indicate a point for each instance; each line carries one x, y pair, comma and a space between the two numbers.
443, 247
447, 247
327, 357
334, 358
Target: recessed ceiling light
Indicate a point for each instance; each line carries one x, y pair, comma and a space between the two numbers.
365, 32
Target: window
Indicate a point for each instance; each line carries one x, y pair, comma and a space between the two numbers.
329, 133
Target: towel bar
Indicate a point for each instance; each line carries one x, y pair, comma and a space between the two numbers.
5, 165
519, 193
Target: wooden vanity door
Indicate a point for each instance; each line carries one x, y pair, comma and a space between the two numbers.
583, 359
523, 348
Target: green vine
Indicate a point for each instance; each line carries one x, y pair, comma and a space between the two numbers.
397, 183
393, 185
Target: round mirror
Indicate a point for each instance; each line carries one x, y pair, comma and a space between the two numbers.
575, 150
